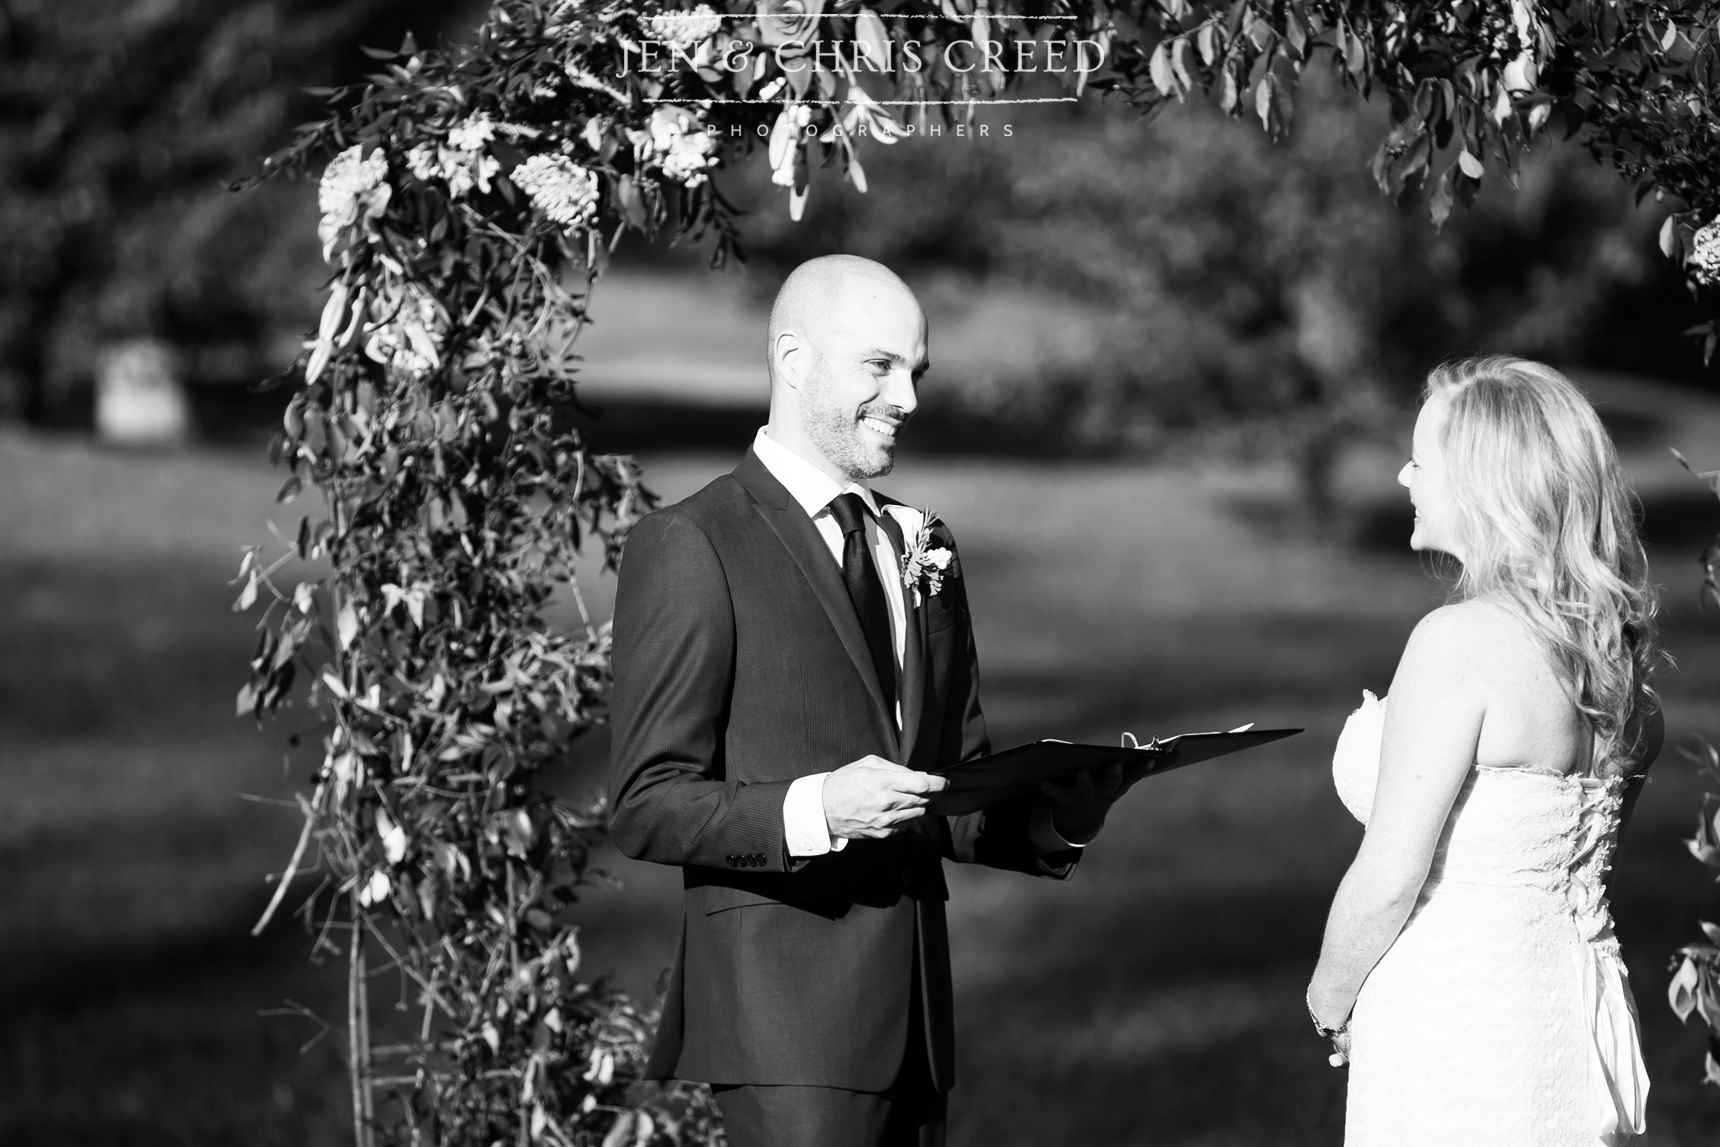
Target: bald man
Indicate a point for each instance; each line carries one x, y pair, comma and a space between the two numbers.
782, 704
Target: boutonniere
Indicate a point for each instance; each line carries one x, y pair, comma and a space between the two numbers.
927, 561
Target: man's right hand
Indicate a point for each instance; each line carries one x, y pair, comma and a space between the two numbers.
873, 798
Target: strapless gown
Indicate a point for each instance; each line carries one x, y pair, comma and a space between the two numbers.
1502, 1015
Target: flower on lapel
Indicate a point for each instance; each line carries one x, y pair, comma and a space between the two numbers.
928, 558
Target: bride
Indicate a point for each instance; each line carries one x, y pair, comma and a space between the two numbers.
1469, 973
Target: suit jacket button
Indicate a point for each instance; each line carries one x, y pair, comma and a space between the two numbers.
907, 875
732, 861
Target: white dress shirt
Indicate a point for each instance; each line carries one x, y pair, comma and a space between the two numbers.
805, 828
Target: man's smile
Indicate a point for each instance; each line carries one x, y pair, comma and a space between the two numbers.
883, 427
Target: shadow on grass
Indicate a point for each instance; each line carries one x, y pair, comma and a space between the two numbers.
160, 1042
1171, 1018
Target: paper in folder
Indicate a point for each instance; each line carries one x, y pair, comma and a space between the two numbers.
985, 781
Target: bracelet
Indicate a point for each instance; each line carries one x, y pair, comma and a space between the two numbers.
1328, 1033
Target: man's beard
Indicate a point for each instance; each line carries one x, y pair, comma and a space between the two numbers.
838, 436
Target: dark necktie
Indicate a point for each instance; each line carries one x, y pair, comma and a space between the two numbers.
865, 589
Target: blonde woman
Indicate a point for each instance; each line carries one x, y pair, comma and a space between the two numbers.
1469, 973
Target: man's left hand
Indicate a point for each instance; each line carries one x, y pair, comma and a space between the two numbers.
1078, 810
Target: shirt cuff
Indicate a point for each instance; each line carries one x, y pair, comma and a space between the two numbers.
1044, 835
804, 828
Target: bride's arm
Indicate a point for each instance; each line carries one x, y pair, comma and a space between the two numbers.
1433, 722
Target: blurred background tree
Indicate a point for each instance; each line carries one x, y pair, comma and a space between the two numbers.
121, 123
1186, 274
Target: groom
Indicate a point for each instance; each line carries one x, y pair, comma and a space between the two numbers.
782, 698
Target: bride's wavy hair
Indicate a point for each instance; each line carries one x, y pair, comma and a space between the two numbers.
1549, 527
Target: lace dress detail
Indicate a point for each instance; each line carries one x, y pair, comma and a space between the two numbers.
1502, 1014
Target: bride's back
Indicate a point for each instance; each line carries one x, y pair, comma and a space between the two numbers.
1530, 721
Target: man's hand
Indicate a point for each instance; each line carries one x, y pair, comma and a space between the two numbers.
1078, 810
873, 798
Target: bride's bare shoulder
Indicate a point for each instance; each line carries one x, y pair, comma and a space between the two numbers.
1466, 624
1487, 646
1472, 634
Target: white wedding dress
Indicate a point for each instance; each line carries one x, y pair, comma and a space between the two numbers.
1501, 1015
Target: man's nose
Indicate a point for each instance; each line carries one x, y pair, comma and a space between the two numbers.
899, 392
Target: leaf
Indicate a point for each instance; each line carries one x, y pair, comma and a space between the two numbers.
1681, 992
333, 684
248, 595
1297, 33
621, 1131
1179, 63
1705, 845
1159, 68
1263, 100
1273, 103
347, 623
1229, 94
1439, 201
1206, 40
869, 30
1355, 56
518, 832
1501, 105
1471, 166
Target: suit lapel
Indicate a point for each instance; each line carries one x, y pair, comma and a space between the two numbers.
914, 653
788, 520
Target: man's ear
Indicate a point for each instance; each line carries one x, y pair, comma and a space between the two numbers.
791, 357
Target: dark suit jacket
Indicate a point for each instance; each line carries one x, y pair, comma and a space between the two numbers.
740, 665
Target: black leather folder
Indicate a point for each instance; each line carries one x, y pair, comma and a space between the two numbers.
985, 781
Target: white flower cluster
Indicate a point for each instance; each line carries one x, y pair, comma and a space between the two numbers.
406, 341
564, 191
675, 141
1704, 260
462, 163
353, 189
685, 29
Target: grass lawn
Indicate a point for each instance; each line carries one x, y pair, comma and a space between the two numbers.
1156, 999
